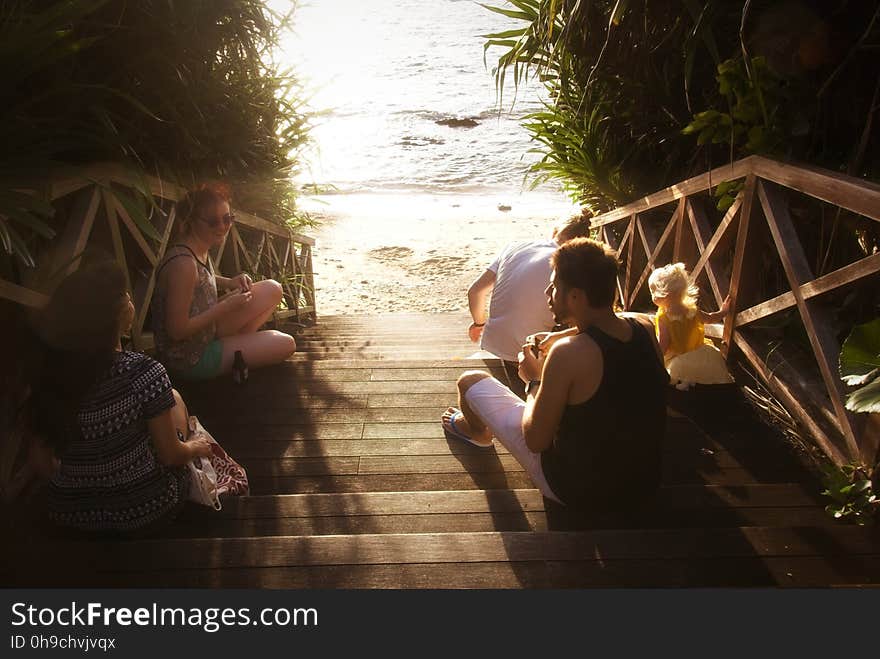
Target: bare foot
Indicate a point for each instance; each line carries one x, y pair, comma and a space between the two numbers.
455, 424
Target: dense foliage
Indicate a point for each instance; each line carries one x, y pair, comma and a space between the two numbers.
181, 88
644, 94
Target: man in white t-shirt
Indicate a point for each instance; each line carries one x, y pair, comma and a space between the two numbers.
516, 281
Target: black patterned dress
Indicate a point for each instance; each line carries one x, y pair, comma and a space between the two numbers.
110, 477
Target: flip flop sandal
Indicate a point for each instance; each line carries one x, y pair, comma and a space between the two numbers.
453, 431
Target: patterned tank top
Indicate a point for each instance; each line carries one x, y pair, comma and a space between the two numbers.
110, 477
183, 355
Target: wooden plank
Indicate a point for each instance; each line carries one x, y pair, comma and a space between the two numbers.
395, 483
455, 340
854, 194
701, 231
243, 251
22, 295
347, 504
236, 248
283, 415
411, 398
116, 237
262, 471
438, 464
255, 222
443, 369
358, 524
218, 259
188, 527
482, 480
134, 231
388, 352
386, 374
295, 313
678, 244
707, 249
655, 252
743, 496
205, 524
144, 306
739, 257
309, 281
290, 432
245, 447
77, 231
627, 236
691, 186
870, 265
387, 549
817, 326
273, 261
274, 475
728, 572
446, 387
259, 254
607, 238
629, 261
112, 172
353, 504
789, 397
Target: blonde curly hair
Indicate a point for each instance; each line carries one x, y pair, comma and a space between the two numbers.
672, 281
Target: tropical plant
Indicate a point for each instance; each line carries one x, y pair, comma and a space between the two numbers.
860, 367
618, 81
186, 90
625, 81
851, 491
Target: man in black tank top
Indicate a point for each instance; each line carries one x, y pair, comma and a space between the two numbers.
591, 430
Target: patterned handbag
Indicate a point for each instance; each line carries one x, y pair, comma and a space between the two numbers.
216, 476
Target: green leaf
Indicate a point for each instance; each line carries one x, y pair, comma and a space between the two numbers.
866, 399
860, 354
725, 202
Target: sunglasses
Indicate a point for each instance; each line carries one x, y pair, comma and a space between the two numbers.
214, 222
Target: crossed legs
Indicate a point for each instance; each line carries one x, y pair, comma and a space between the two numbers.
471, 425
491, 409
240, 330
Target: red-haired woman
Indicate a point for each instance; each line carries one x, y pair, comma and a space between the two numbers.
197, 334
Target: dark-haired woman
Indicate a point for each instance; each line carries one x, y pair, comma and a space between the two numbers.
110, 415
197, 334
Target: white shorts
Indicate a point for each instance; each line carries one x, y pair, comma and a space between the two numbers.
502, 411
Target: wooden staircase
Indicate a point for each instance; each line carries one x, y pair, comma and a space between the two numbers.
354, 485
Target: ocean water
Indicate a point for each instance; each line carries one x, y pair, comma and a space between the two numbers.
383, 73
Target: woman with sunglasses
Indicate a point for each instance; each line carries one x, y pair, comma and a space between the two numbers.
197, 334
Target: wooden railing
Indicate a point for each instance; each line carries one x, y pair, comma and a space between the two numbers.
724, 255
90, 216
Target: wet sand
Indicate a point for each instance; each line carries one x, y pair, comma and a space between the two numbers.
382, 253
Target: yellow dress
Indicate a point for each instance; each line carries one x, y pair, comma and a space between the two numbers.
690, 357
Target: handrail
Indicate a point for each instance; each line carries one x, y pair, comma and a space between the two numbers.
92, 216
723, 255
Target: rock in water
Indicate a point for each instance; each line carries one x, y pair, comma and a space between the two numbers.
467, 122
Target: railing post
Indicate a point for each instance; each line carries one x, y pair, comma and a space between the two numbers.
739, 256
817, 325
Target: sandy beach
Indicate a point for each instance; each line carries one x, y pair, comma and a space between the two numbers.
379, 253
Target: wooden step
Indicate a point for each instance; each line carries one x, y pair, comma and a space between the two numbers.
492, 510
790, 556
285, 475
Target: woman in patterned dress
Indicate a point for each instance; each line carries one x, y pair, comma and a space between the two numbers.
110, 415
197, 334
